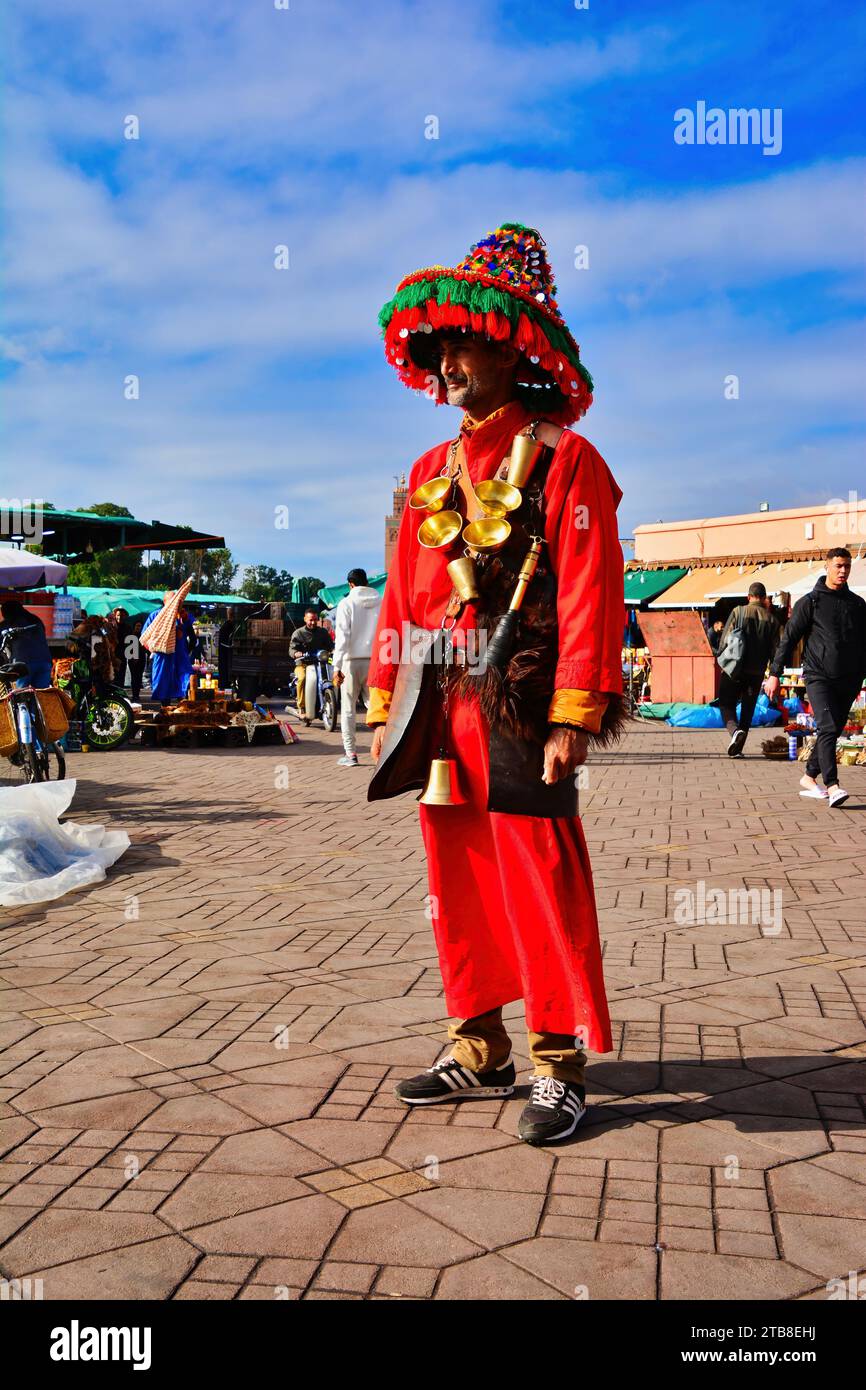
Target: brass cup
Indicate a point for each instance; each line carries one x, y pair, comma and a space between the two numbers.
525, 453
486, 534
464, 578
439, 530
497, 498
430, 497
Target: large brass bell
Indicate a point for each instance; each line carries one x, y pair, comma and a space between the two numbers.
441, 788
486, 534
464, 577
497, 498
439, 530
430, 497
525, 453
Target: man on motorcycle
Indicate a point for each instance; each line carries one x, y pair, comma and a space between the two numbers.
305, 642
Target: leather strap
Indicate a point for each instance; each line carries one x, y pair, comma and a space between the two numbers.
460, 473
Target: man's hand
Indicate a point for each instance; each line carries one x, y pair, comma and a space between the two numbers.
378, 740
564, 751
771, 687
338, 679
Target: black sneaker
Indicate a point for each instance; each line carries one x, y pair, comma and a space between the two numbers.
735, 747
554, 1111
448, 1080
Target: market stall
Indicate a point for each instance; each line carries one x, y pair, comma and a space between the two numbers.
211, 716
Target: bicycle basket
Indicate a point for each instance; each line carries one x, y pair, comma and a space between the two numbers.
54, 715
8, 734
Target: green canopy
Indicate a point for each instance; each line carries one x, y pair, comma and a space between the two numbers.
138, 602
643, 585
334, 592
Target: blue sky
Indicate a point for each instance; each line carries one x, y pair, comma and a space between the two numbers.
258, 127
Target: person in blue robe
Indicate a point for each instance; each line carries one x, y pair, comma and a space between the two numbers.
170, 671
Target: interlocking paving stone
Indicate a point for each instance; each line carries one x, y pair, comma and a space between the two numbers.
240, 1041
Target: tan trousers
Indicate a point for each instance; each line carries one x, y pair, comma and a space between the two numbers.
482, 1043
300, 683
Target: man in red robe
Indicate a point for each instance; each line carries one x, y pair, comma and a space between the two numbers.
511, 893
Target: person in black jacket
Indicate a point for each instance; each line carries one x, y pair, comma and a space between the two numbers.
760, 630
30, 645
832, 620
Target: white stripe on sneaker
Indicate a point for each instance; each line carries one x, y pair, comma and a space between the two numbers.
449, 1079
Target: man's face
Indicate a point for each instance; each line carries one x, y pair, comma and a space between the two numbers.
838, 569
471, 368
310, 619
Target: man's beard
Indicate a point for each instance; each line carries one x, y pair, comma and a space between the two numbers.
466, 393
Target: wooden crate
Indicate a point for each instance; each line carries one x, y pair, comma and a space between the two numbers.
266, 627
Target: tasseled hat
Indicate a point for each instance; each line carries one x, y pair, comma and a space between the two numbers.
504, 289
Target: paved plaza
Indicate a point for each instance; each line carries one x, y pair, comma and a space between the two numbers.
197, 1057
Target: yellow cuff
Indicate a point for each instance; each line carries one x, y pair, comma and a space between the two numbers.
583, 707
379, 706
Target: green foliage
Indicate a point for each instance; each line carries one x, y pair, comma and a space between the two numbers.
266, 585
106, 509
112, 569
213, 571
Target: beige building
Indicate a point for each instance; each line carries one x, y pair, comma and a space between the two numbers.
795, 533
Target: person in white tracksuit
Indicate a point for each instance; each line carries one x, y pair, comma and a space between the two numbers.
355, 628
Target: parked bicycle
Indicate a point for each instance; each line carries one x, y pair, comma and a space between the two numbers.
33, 755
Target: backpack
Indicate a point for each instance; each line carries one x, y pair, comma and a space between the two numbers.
732, 654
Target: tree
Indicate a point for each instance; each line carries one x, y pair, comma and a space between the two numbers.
213, 571
106, 509
265, 584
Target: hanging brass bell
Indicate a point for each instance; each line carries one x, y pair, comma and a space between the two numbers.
430, 497
464, 577
497, 498
525, 453
441, 788
439, 530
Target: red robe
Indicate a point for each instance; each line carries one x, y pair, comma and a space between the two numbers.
511, 897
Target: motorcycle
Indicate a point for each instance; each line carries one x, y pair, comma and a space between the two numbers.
320, 695
101, 708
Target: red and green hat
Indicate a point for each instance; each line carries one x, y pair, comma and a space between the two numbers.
504, 289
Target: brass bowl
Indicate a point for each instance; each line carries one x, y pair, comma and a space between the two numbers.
497, 498
488, 533
439, 530
430, 497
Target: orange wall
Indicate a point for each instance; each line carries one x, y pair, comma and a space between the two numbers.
841, 522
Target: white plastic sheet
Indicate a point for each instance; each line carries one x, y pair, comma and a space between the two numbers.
40, 859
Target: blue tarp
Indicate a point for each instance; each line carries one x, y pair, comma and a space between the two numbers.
710, 716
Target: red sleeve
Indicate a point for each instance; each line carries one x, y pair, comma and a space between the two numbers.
587, 559
395, 603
